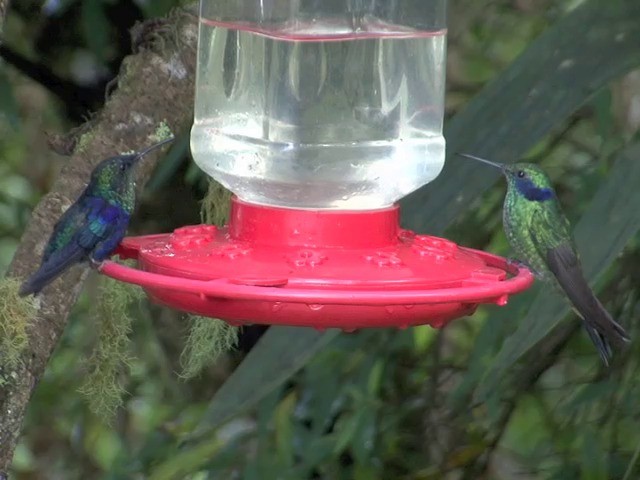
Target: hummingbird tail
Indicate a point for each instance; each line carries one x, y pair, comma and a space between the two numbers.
603, 330
596, 318
601, 343
52, 268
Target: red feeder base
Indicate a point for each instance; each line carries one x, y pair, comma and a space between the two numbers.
322, 269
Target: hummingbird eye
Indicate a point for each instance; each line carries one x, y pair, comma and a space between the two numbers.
123, 167
521, 174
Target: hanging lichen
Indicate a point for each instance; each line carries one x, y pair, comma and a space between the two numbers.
215, 204
208, 339
103, 386
15, 315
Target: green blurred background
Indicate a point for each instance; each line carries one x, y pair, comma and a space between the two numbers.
485, 398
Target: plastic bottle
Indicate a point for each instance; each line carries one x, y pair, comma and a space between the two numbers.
321, 104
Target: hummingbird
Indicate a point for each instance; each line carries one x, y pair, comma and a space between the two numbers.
540, 234
91, 228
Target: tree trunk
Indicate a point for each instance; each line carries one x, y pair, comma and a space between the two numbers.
155, 86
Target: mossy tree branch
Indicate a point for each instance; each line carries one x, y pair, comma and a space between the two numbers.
155, 87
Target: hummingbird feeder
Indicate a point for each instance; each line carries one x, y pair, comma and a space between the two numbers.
319, 117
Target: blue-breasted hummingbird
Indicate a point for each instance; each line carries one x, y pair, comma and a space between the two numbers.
92, 227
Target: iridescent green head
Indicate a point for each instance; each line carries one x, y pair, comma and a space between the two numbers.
116, 174
525, 179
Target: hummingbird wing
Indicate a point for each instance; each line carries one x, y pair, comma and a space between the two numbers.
64, 230
556, 246
81, 227
60, 252
86, 224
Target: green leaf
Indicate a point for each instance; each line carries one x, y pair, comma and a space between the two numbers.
280, 353
557, 74
602, 105
186, 461
485, 347
284, 429
601, 234
375, 378
632, 463
322, 381
588, 395
319, 450
594, 463
364, 438
346, 429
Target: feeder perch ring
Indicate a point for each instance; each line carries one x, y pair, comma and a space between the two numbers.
321, 269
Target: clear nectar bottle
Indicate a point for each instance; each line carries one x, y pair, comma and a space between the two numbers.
332, 104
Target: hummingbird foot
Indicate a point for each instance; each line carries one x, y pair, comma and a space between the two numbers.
515, 263
95, 264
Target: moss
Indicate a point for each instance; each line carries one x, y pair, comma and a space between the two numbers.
16, 313
208, 339
124, 77
110, 358
162, 132
215, 205
83, 141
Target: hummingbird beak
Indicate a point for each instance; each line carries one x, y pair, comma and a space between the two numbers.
142, 153
473, 157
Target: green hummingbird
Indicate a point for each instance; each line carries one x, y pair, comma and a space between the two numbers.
540, 234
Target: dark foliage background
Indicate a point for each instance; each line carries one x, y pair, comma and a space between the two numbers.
513, 393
